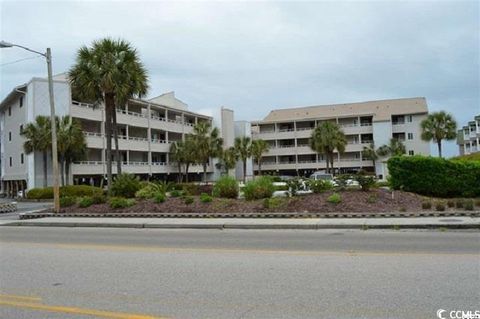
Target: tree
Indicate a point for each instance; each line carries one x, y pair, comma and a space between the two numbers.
177, 155
243, 148
207, 144
326, 138
229, 159
394, 148
370, 153
110, 71
258, 148
71, 144
38, 139
439, 126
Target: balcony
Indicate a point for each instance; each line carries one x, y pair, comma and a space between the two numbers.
131, 118
86, 111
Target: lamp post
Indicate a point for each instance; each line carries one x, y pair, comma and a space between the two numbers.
48, 57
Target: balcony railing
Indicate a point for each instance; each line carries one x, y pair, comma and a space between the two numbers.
86, 105
93, 134
136, 114
398, 123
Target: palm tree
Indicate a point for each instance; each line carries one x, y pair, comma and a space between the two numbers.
110, 71
370, 153
394, 148
243, 148
439, 126
207, 143
38, 139
177, 155
71, 144
258, 148
326, 138
229, 159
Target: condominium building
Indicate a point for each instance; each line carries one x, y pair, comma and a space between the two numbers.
468, 138
146, 130
288, 131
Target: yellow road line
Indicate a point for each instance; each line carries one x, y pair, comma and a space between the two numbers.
27, 298
160, 249
75, 310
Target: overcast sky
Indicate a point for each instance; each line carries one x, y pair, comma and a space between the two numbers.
257, 56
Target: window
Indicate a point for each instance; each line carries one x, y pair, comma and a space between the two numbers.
409, 118
9, 111
411, 152
21, 128
21, 158
410, 136
9, 136
10, 161
21, 101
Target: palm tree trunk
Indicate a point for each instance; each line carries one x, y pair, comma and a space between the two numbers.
187, 165
374, 167
327, 160
45, 169
180, 174
244, 171
109, 102
205, 173
439, 143
62, 169
115, 137
260, 167
67, 171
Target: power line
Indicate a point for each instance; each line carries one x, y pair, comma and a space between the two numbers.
20, 60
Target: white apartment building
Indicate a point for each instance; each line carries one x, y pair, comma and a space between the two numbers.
288, 132
147, 129
468, 138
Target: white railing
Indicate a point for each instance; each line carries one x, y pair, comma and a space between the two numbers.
266, 132
135, 163
85, 105
285, 146
159, 163
93, 134
398, 123
286, 130
136, 114
367, 142
349, 125
366, 124
154, 140
306, 162
299, 129
353, 142
89, 163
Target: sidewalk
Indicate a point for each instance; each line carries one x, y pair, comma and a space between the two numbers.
255, 223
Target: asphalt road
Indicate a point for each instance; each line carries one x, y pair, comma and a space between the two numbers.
119, 273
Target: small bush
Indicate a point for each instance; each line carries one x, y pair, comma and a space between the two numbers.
382, 184
85, 202
205, 198
148, 190
65, 191
275, 202
259, 188
372, 199
450, 203
319, 186
281, 187
159, 197
99, 199
365, 181
335, 198
125, 185
66, 201
426, 204
176, 193
188, 200
226, 187
40, 193
459, 203
342, 181
190, 189
121, 202
477, 202
294, 185
469, 204
440, 206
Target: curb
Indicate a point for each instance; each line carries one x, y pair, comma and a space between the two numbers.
243, 226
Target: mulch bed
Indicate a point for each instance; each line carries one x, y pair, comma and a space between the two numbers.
353, 201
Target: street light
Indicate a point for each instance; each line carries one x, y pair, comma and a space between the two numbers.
48, 57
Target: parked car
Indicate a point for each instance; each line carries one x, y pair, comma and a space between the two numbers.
321, 176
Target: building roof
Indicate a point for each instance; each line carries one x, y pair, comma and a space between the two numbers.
17, 91
381, 110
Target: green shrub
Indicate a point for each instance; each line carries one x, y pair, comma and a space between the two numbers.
274, 202
342, 181
427, 204
176, 193
99, 199
365, 181
450, 203
440, 206
459, 203
125, 185
86, 201
435, 176
190, 188
294, 185
281, 187
372, 199
469, 204
335, 198
69, 190
188, 200
148, 190
66, 201
382, 184
205, 198
226, 187
261, 187
319, 186
159, 197
121, 202
477, 202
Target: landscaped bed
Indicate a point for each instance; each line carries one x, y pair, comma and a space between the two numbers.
352, 201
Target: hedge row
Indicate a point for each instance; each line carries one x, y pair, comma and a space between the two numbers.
65, 191
435, 176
